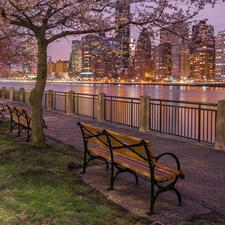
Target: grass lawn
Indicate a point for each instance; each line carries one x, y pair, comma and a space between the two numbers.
36, 187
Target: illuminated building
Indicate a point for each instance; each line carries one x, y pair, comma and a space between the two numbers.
202, 52
50, 67
162, 61
107, 60
180, 55
123, 33
76, 57
90, 49
99, 57
220, 56
142, 57
111, 58
132, 48
99, 66
61, 66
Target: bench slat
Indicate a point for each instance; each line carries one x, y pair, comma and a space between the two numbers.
125, 138
162, 174
101, 151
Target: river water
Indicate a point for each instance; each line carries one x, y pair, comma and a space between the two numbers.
181, 93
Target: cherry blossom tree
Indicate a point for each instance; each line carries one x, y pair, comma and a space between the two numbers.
16, 53
49, 20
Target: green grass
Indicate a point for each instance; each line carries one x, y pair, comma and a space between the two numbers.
36, 187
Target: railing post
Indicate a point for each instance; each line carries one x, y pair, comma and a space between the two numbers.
199, 123
111, 111
50, 100
11, 93
160, 117
22, 95
70, 106
220, 126
144, 113
93, 107
101, 107
131, 112
4, 93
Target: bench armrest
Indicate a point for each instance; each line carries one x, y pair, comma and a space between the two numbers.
170, 154
44, 124
157, 158
2, 107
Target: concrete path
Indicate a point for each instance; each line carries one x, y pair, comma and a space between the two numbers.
202, 190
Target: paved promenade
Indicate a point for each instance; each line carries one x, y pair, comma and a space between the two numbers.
202, 190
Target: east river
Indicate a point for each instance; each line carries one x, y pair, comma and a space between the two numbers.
172, 92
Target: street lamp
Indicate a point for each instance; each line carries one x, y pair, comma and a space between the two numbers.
50, 69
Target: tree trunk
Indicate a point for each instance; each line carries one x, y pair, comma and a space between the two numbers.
38, 138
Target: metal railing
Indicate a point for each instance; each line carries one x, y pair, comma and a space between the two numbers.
193, 120
122, 110
85, 105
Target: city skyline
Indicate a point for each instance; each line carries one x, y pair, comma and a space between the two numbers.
61, 50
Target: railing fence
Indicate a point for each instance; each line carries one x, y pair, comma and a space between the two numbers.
191, 120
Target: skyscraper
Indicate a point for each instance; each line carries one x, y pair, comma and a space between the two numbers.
180, 55
90, 50
142, 57
203, 34
220, 56
76, 56
162, 61
98, 57
123, 33
202, 52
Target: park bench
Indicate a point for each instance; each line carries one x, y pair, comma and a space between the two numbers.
2, 110
21, 119
130, 154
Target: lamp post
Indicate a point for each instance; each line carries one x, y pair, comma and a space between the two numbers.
50, 69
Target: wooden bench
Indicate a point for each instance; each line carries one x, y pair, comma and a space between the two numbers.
133, 155
20, 118
2, 110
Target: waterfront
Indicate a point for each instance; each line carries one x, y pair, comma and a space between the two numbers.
169, 92
193, 118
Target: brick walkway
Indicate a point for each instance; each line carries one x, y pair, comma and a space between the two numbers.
203, 189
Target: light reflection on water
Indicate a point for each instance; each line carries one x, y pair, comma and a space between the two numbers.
182, 93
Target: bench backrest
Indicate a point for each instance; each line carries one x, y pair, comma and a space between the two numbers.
117, 143
2, 109
22, 116
130, 146
12, 113
93, 134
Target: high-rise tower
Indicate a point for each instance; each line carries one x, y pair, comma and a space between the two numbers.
142, 57
90, 49
220, 56
162, 61
123, 33
180, 55
203, 34
76, 56
202, 52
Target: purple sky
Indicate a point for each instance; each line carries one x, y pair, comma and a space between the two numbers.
216, 17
